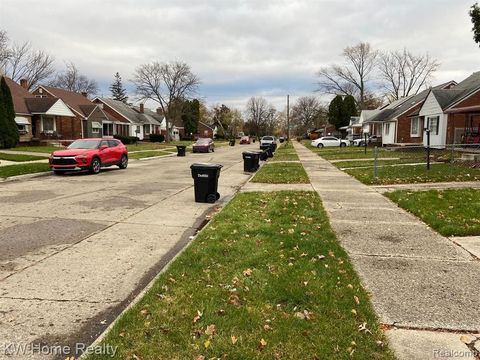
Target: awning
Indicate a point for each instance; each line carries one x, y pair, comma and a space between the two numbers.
96, 125
20, 120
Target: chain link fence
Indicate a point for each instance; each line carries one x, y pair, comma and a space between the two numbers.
416, 163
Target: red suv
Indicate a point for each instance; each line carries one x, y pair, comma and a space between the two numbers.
89, 154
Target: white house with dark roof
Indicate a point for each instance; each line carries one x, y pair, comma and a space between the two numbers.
450, 113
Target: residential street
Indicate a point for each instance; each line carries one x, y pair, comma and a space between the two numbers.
74, 247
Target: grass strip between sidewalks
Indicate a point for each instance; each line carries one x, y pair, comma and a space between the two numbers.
286, 152
450, 212
267, 279
281, 173
147, 154
19, 157
22, 169
412, 174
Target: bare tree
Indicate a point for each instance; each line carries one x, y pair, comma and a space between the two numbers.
260, 116
4, 50
405, 73
308, 113
353, 77
164, 83
22, 61
72, 80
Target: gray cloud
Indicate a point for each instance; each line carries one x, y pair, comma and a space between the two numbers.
240, 48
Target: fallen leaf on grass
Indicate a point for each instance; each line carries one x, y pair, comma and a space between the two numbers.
262, 344
144, 312
234, 300
247, 272
206, 344
200, 357
198, 317
357, 300
211, 330
234, 339
363, 328
354, 312
267, 327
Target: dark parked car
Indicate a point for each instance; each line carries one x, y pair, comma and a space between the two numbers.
204, 145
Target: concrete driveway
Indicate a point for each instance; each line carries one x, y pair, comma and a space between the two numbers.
77, 249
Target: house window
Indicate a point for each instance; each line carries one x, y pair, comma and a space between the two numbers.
95, 130
22, 129
415, 127
386, 128
107, 129
48, 124
432, 124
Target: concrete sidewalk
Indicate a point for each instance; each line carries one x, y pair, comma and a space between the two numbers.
424, 287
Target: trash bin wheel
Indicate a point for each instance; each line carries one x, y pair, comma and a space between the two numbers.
217, 195
211, 198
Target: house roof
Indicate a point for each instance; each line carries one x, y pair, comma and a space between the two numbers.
449, 97
40, 105
48, 106
130, 114
76, 101
401, 106
19, 94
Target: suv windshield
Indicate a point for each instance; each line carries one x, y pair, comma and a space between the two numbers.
267, 138
84, 144
203, 141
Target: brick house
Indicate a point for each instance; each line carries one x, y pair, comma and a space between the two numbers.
89, 121
205, 131
398, 123
452, 113
41, 118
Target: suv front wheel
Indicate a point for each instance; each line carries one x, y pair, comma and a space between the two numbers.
123, 162
95, 166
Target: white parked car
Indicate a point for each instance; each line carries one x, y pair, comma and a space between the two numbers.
358, 142
329, 141
266, 141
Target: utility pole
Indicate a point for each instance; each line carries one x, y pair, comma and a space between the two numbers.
288, 117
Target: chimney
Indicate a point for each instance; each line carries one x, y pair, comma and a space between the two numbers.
159, 111
141, 108
84, 93
24, 83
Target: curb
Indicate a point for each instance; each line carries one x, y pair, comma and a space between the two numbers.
26, 176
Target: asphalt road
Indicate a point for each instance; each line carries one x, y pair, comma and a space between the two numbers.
77, 249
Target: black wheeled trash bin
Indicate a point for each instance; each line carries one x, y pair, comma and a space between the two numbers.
205, 178
263, 155
251, 160
181, 150
232, 142
273, 146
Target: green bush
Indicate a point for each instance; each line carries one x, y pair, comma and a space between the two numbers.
126, 140
157, 138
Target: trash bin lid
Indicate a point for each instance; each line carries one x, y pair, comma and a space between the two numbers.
181, 146
205, 166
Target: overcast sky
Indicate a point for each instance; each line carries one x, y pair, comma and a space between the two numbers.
240, 48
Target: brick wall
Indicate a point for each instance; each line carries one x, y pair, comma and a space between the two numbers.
69, 128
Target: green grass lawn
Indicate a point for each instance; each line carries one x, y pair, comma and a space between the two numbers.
450, 212
146, 146
267, 279
281, 173
147, 154
19, 158
286, 152
22, 169
38, 149
416, 174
